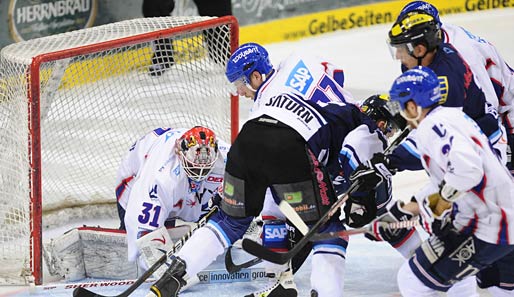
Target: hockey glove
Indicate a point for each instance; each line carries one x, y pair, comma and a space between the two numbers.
360, 210
372, 173
380, 231
442, 212
447, 192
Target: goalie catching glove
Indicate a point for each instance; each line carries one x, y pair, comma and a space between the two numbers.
372, 173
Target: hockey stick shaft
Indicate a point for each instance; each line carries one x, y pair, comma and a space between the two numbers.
82, 292
366, 229
282, 258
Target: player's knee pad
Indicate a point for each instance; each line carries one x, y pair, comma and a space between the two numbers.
229, 227
327, 274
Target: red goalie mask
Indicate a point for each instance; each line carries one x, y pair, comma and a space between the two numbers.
198, 151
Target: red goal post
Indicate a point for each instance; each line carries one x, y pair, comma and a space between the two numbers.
72, 104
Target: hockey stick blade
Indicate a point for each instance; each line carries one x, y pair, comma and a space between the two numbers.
82, 292
232, 267
368, 228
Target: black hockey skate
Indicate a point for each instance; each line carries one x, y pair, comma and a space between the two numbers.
172, 280
283, 287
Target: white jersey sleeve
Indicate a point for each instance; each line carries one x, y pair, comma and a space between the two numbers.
294, 92
492, 73
452, 148
133, 161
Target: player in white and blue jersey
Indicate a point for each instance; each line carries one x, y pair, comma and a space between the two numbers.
296, 127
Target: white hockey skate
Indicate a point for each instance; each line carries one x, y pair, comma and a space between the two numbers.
284, 286
253, 233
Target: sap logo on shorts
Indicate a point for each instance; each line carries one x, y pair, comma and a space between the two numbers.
275, 233
300, 78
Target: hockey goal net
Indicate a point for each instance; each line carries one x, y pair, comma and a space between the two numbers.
72, 104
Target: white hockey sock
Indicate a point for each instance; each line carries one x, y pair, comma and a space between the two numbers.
465, 288
200, 250
499, 292
410, 285
327, 274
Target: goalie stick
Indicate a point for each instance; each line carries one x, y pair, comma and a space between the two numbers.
83, 292
281, 258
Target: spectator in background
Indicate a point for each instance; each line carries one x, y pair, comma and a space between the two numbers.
163, 55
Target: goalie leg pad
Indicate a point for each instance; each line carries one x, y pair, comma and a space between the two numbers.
63, 256
90, 252
105, 254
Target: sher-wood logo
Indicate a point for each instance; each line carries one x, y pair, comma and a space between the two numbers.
37, 18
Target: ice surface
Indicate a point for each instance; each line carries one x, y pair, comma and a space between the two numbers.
370, 267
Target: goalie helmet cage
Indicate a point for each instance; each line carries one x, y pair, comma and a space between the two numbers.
72, 104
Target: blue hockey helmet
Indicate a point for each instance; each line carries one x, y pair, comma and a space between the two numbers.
419, 84
248, 58
423, 6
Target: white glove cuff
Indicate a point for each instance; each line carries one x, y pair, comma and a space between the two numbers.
448, 192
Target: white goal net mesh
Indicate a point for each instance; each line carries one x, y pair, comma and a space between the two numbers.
72, 104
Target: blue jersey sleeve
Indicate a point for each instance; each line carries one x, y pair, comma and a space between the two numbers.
406, 156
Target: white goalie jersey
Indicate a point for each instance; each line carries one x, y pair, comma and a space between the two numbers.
153, 187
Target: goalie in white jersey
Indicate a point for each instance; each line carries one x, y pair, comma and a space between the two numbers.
467, 208
168, 174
